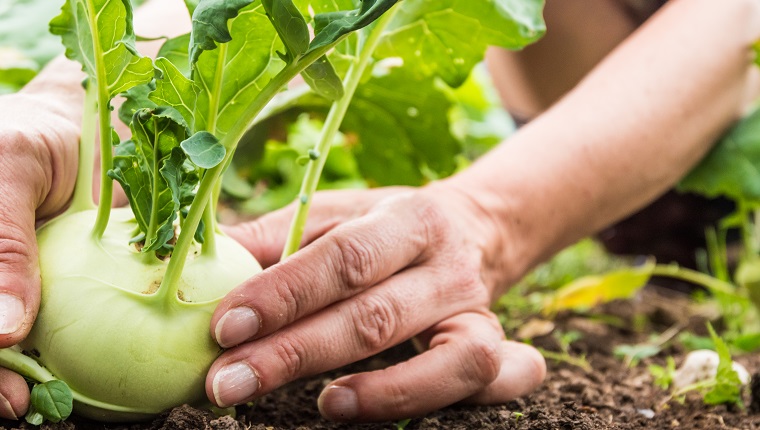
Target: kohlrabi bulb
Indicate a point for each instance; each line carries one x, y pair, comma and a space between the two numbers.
103, 330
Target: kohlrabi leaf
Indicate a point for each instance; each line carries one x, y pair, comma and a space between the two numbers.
447, 38
191, 5
210, 24
290, 25
404, 135
323, 79
136, 183
173, 89
136, 98
52, 400
731, 168
151, 170
99, 35
204, 150
175, 50
232, 76
332, 26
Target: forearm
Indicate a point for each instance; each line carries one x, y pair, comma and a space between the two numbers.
624, 135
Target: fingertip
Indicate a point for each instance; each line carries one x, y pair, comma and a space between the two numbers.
14, 395
338, 403
523, 369
16, 317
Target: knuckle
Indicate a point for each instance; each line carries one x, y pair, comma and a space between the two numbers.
14, 253
356, 261
288, 298
481, 361
465, 285
375, 322
291, 354
435, 224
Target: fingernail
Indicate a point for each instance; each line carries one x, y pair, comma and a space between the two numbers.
338, 403
236, 326
6, 409
234, 384
11, 313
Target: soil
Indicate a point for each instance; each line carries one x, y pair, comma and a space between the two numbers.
611, 395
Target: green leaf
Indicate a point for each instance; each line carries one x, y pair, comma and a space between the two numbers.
748, 342
731, 167
53, 400
403, 128
323, 79
136, 98
727, 388
230, 78
172, 174
33, 417
330, 27
191, 5
447, 38
136, 183
173, 89
290, 25
210, 24
99, 35
151, 170
633, 354
175, 50
204, 149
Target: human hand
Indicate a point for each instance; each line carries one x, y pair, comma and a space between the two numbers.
379, 267
38, 165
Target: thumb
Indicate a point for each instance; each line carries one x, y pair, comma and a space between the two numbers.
22, 187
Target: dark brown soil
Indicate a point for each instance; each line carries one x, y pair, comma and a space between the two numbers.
610, 396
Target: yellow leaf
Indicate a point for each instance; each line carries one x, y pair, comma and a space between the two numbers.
589, 291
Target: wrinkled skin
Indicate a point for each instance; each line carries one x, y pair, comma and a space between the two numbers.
380, 267
38, 164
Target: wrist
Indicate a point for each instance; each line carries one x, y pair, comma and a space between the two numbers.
485, 221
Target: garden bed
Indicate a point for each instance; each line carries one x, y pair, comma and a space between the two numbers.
611, 395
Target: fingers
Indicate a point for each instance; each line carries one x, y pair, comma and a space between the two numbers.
14, 395
344, 333
350, 259
523, 369
265, 237
468, 357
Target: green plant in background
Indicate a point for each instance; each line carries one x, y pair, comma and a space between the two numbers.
372, 101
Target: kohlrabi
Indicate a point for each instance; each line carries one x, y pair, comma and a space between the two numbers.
127, 295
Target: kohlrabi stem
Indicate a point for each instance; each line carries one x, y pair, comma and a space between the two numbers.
153, 223
209, 234
104, 120
167, 292
318, 155
82, 199
209, 215
26, 366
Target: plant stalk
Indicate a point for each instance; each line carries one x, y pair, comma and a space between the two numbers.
104, 121
26, 366
332, 125
82, 199
167, 292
